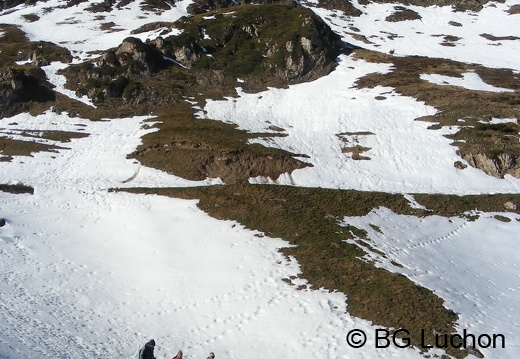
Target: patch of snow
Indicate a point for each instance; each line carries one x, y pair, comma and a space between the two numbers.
24, 62
284, 179
77, 29
203, 33
94, 162
469, 80
154, 34
426, 37
406, 156
99, 274
59, 82
175, 62
413, 202
495, 120
472, 265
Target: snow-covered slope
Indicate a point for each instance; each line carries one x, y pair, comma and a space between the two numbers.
81, 31
85, 272
472, 264
440, 32
322, 117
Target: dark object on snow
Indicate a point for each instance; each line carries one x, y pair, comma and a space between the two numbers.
146, 352
16, 188
2, 222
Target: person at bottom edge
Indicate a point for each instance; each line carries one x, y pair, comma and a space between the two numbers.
146, 352
178, 356
211, 356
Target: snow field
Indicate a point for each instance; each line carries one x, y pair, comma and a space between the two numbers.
425, 37
80, 31
473, 265
86, 272
405, 156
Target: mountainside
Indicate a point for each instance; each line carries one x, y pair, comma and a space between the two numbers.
283, 178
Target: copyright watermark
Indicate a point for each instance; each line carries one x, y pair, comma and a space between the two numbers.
383, 338
356, 338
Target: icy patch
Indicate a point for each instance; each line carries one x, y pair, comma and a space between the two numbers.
469, 80
473, 265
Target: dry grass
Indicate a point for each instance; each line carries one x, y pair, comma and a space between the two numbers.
196, 149
10, 148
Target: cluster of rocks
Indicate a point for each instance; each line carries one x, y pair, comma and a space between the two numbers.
497, 166
19, 87
240, 46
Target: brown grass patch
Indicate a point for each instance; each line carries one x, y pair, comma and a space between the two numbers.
10, 148
356, 152
403, 14
499, 38
30, 17
513, 10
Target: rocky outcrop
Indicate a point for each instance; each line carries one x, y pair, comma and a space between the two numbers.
272, 44
264, 45
18, 88
136, 57
117, 72
498, 165
342, 5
